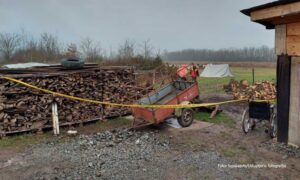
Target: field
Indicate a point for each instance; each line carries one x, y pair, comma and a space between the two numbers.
215, 85
231, 64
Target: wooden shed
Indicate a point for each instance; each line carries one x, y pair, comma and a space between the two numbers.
284, 17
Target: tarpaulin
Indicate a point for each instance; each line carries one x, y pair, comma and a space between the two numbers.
24, 65
216, 70
182, 71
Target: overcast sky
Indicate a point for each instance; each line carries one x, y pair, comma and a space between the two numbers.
169, 24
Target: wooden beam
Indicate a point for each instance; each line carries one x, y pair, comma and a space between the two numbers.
280, 39
294, 117
283, 94
293, 18
293, 39
277, 11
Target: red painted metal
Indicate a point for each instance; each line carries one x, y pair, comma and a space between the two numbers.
159, 115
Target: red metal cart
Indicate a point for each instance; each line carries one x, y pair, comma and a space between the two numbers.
177, 92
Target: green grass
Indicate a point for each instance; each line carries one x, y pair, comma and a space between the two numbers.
22, 140
209, 85
220, 118
242, 153
234, 151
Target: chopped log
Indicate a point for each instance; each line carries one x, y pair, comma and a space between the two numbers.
263, 90
214, 112
22, 108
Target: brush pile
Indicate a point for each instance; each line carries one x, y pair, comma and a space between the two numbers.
263, 90
23, 108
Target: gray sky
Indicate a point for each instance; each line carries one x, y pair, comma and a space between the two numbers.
169, 24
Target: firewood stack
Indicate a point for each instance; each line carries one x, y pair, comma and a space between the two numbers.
263, 90
23, 108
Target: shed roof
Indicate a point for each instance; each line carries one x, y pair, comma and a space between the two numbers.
267, 23
268, 5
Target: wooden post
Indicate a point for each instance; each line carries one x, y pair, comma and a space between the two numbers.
253, 77
55, 119
154, 72
294, 114
283, 96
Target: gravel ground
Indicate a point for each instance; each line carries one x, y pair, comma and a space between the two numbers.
118, 154
287, 151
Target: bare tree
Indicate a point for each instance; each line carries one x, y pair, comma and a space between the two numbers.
31, 50
147, 49
72, 51
9, 42
49, 46
28, 50
91, 50
126, 51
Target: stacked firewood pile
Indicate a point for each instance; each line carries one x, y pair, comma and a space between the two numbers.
263, 90
23, 108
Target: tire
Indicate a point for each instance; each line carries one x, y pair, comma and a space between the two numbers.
273, 124
72, 63
247, 123
186, 118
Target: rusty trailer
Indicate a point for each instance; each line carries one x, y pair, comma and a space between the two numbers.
177, 92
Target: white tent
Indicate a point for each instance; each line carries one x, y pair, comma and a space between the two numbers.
216, 70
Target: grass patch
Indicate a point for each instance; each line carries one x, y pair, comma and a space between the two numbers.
210, 85
234, 151
114, 123
241, 153
196, 144
220, 118
22, 140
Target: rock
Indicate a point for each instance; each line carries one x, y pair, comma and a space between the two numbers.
91, 142
90, 164
99, 174
145, 136
110, 144
138, 142
72, 132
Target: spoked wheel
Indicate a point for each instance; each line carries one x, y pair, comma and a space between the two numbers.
247, 122
273, 124
186, 118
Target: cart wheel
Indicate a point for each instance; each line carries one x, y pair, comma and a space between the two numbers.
273, 124
247, 123
186, 118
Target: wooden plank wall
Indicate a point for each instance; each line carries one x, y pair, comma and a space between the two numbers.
280, 39
276, 11
287, 39
293, 39
294, 119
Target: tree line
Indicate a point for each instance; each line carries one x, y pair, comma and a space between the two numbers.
262, 53
47, 48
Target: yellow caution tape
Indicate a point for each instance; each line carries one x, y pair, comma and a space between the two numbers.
176, 106
271, 100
